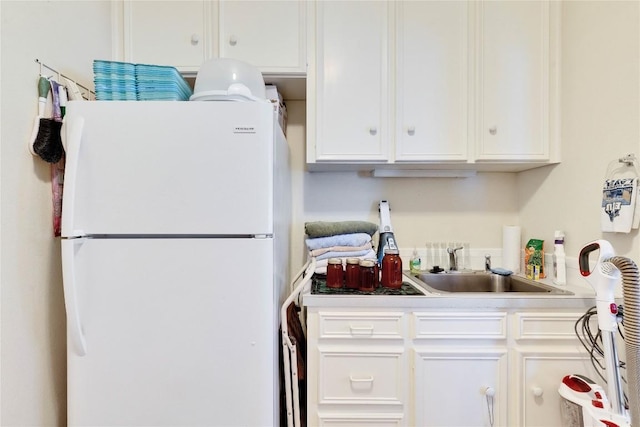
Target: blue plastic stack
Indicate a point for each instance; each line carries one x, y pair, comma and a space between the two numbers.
114, 81
158, 82
123, 81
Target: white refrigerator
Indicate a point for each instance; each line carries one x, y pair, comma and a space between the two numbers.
175, 253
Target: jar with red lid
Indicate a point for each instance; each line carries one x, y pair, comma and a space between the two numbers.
392, 269
368, 278
352, 273
335, 273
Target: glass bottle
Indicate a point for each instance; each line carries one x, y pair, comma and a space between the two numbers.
335, 273
392, 269
368, 279
352, 274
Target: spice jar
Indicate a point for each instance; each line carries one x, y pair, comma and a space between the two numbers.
368, 279
392, 269
352, 273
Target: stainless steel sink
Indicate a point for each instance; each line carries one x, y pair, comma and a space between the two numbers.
481, 282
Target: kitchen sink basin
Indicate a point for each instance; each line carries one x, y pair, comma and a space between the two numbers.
481, 282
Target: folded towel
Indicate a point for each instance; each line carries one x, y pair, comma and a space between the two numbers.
323, 228
348, 254
354, 239
320, 251
618, 204
321, 265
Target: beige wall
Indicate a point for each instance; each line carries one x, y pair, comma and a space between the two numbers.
67, 35
600, 123
422, 209
600, 108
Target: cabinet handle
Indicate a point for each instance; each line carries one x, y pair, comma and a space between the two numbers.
537, 391
489, 393
493, 130
361, 330
373, 130
368, 379
195, 39
411, 130
233, 40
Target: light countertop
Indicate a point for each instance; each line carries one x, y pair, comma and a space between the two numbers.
582, 298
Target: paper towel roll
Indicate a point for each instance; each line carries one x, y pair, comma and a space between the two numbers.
511, 248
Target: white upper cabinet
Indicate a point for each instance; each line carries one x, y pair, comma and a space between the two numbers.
172, 33
421, 84
513, 90
349, 98
264, 33
432, 72
185, 33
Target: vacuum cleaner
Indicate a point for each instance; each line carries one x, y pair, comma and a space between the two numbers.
387, 239
585, 402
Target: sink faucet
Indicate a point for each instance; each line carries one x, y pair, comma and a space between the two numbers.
453, 258
487, 263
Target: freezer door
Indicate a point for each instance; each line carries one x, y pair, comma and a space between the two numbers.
168, 167
174, 332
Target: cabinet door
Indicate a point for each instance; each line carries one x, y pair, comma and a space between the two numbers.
351, 82
513, 81
432, 81
540, 373
167, 32
267, 34
462, 388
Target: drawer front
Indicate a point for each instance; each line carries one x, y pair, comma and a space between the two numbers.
545, 326
361, 325
375, 377
442, 325
360, 420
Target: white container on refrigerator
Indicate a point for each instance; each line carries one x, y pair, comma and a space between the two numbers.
175, 252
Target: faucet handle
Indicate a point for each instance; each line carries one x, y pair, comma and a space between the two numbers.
487, 262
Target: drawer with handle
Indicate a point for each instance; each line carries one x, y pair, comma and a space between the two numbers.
351, 377
370, 325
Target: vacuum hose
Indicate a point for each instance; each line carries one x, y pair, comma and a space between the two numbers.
631, 298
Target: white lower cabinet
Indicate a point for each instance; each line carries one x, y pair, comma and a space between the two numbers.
460, 368
544, 350
440, 367
357, 369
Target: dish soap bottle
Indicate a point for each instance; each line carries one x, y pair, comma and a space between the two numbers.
415, 263
559, 261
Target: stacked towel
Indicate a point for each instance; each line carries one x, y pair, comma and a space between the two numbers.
619, 199
345, 239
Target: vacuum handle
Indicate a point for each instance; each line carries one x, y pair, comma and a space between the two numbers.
606, 252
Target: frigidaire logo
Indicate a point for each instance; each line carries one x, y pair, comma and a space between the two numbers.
244, 129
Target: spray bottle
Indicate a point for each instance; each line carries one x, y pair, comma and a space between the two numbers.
559, 259
387, 240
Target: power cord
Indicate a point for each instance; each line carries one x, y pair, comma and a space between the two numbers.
592, 341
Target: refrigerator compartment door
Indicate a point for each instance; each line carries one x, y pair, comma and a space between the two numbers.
178, 332
170, 168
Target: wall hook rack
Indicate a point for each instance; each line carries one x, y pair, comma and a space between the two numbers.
86, 92
628, 160
622, 166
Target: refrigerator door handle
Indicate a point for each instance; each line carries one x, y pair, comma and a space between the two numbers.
71, 136
74, 328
